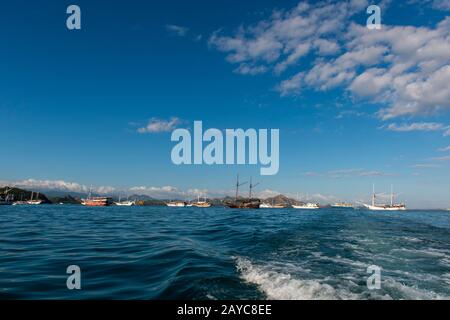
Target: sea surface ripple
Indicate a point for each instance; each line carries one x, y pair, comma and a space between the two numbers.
220, 253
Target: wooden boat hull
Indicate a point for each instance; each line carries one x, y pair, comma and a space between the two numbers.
244, 205
202, 205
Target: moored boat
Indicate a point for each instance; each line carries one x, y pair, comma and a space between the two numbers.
33, 201
306, 206
95, 202
91, 201
201, 204
178, 204
126, 203
342, 205
249, 203
266, 205
245, 204
384, 207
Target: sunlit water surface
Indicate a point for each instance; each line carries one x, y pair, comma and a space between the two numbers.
220, 253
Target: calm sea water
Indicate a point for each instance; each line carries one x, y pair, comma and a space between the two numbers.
219, 253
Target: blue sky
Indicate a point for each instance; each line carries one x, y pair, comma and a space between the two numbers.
354, 106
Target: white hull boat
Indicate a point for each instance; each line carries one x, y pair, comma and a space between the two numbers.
384, 207
306, 206
177, 204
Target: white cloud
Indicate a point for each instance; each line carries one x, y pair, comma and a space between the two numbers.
345, 173
291, 85
350, 113
246, 69
164, 192
177, 30
444, 149
314, 197
160, 125
416, 126
424, 165
288, 35
405, 69
447, 132
58, 185
441, 4
445, 158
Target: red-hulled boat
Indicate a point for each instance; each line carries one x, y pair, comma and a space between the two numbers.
95, 201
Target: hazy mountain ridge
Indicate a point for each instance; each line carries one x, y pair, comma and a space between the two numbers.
60, 196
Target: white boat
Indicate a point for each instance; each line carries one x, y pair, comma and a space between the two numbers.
126, 203
200, 204
178, 204
384, 207
306, 206
34, 201
342, 205
266, 205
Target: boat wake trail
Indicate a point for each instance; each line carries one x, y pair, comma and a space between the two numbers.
282, 286
279, 284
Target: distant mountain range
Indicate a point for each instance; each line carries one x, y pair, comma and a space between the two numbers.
55, 196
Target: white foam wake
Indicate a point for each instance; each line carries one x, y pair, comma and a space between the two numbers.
278, 284
281, 286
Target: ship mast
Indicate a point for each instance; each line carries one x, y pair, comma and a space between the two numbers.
251, 187
373, 195
238, 185
392, 195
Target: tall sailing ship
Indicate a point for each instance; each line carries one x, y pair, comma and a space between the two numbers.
385, 207
33, 201
249, 203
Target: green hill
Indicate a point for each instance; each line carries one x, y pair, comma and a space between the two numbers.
20, 194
